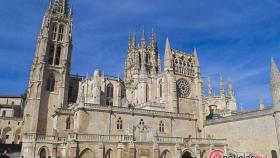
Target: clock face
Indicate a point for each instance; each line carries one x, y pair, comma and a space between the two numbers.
183, 88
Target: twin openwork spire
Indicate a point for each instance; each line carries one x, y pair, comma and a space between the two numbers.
143, 42
60, 7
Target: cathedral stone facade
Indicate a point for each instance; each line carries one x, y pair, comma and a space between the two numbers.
153, 112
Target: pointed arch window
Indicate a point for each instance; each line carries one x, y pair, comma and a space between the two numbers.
54, 31
57, 55
68, 123
160, 88
4, 113
60, 33
120, 123
51, 54
109, 94
147, 58
147, 93
50, 83
161, 127
141, 122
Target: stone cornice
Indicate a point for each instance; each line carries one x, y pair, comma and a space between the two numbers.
241, 116
133, 111
11, 118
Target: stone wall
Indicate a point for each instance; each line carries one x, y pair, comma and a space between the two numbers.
10, 130
252, 132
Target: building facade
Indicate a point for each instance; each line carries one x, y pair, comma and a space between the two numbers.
151, 113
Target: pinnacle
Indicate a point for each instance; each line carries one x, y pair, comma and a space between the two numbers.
274, 67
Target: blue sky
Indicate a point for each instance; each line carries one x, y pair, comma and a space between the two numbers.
234, 37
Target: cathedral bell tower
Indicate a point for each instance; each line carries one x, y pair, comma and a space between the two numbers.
49, 76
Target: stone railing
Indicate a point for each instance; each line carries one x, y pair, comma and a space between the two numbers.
63, 110
207, 141
194, 141
172, 140
42, 138
136, 111
119, 138
100, 138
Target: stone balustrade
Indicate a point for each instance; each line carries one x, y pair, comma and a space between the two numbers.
42, 138
120, 138
180, 140
172, 140
100, 138
205, 141
136, 111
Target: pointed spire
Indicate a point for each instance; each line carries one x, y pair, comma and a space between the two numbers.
167, 56
153, 40
222, 86
210, 90
143, 39
274, 67
230, 88
71, 11
129, 40
133, 39
275, 85
159, 64
196, 56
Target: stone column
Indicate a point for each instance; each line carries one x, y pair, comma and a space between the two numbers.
197, 151
99, 148
132, 150
120, 150
225, 149
156, 150
277, 124
178, 151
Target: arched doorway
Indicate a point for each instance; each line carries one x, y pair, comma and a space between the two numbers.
109, 153
43, 153
166, 154
187, 154
7, 135
87, 153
